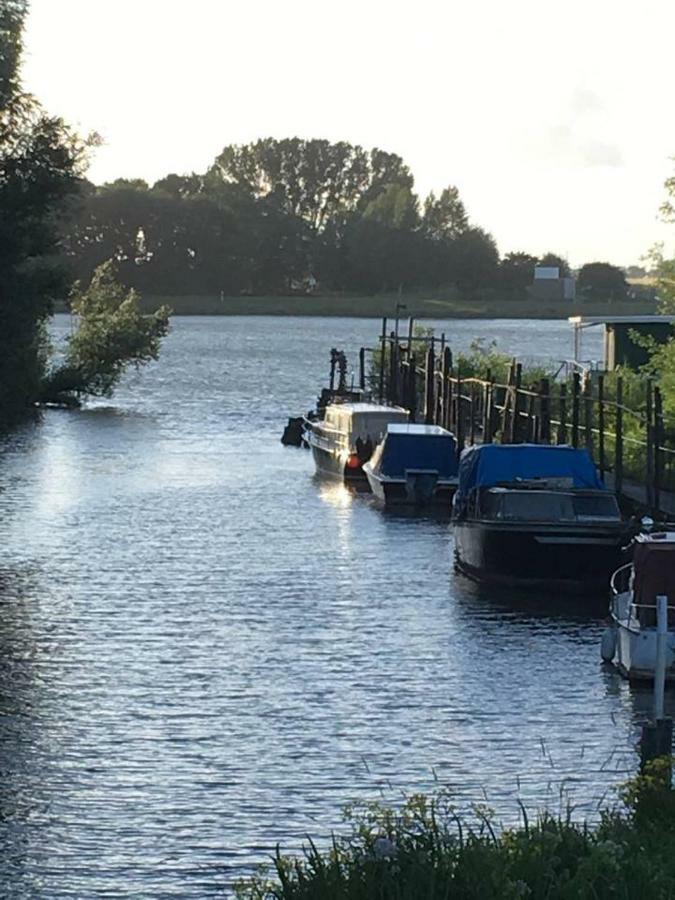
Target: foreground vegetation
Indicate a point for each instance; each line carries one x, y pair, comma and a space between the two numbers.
425, 851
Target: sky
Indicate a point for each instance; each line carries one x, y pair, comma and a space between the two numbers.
552, 117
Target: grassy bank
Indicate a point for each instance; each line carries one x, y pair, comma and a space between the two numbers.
425, 851
429, 306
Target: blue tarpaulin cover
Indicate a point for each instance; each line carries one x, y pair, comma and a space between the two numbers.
418, 447
490, 464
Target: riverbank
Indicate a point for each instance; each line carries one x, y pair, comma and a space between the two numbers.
422, 306
425, 851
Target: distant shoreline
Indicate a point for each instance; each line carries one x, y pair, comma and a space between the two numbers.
374, 307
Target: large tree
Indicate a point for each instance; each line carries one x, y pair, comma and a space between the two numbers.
516, 271
602, 281
41, 162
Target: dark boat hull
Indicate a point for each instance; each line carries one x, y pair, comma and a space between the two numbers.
568, 558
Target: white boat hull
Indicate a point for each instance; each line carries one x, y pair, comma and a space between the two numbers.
635, 649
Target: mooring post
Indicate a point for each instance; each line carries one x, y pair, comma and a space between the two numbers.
488, 416
618, 440
658, 447
588, 413
515, 421
459, 429
383, 353
649, 434
575, 409
362, 368
445, 387
544, 411
506, 430
429, 385
472, 414
601, 424
657, 737
561, 437
393, 368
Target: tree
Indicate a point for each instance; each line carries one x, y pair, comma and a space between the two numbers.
444, 217
516, 271
111, 334
553, 261
41, 162
602, 281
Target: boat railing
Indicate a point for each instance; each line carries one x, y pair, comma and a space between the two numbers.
620, 580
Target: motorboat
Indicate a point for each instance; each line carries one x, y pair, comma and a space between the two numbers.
629, 642
348, 434
534, 515
415, 465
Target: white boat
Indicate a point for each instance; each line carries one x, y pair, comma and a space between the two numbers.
414, 465
629, 642
348, 434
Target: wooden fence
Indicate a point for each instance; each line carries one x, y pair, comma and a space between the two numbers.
633, 445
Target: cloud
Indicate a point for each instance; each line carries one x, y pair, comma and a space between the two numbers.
599, 153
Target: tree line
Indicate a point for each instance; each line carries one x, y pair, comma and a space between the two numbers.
280, 216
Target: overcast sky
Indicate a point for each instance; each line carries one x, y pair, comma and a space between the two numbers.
554, 119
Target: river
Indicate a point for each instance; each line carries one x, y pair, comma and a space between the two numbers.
204, 650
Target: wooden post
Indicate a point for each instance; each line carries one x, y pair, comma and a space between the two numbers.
445, 387
430, 384
544, 411
575, 409
412, 385
362, 368
507, 403
488, 424
649, 434
515, 421
588, 414
393, 369
459, 428
658, 447
561, 437
472, 415
532, 420
618, 446
601, 424
383, 345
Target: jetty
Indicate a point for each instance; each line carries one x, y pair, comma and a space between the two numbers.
619, 420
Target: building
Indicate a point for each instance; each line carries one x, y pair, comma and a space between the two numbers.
549, 285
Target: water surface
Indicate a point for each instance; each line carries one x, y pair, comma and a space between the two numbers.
204, 650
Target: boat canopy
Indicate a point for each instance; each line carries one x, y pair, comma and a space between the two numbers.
654, 567
422, 447
488, 465
364, 420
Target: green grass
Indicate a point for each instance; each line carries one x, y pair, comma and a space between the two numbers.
424, 851
442, 305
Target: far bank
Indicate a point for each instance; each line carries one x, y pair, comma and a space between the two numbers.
422, 306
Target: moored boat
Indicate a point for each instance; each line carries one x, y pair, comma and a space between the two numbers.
348, 434
630, 641
531, 515
415, 465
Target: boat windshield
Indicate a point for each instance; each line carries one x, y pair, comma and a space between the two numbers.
548, 506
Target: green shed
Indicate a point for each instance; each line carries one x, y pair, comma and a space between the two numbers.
620, 349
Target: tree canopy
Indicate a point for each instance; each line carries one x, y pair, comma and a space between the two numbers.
41, 162
602, 281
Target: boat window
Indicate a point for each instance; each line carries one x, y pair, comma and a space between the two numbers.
528, 506
596, 506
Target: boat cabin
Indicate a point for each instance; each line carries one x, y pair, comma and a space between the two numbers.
526, 503
653, 575
362, 422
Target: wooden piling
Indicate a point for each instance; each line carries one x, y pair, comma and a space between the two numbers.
459, 426
601, 424
618, 441
588, 414
575, 408
515, 429
429, 385
649, 435
445, 387
362, 368
383, 353
561, 437
544, 411
659, 436
472, 415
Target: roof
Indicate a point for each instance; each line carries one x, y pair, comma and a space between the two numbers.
411, 428
585, 321
368, 408
487, 465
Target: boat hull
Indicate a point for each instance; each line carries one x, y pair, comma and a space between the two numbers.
400, 492
635, 656
573, 559
333, 463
